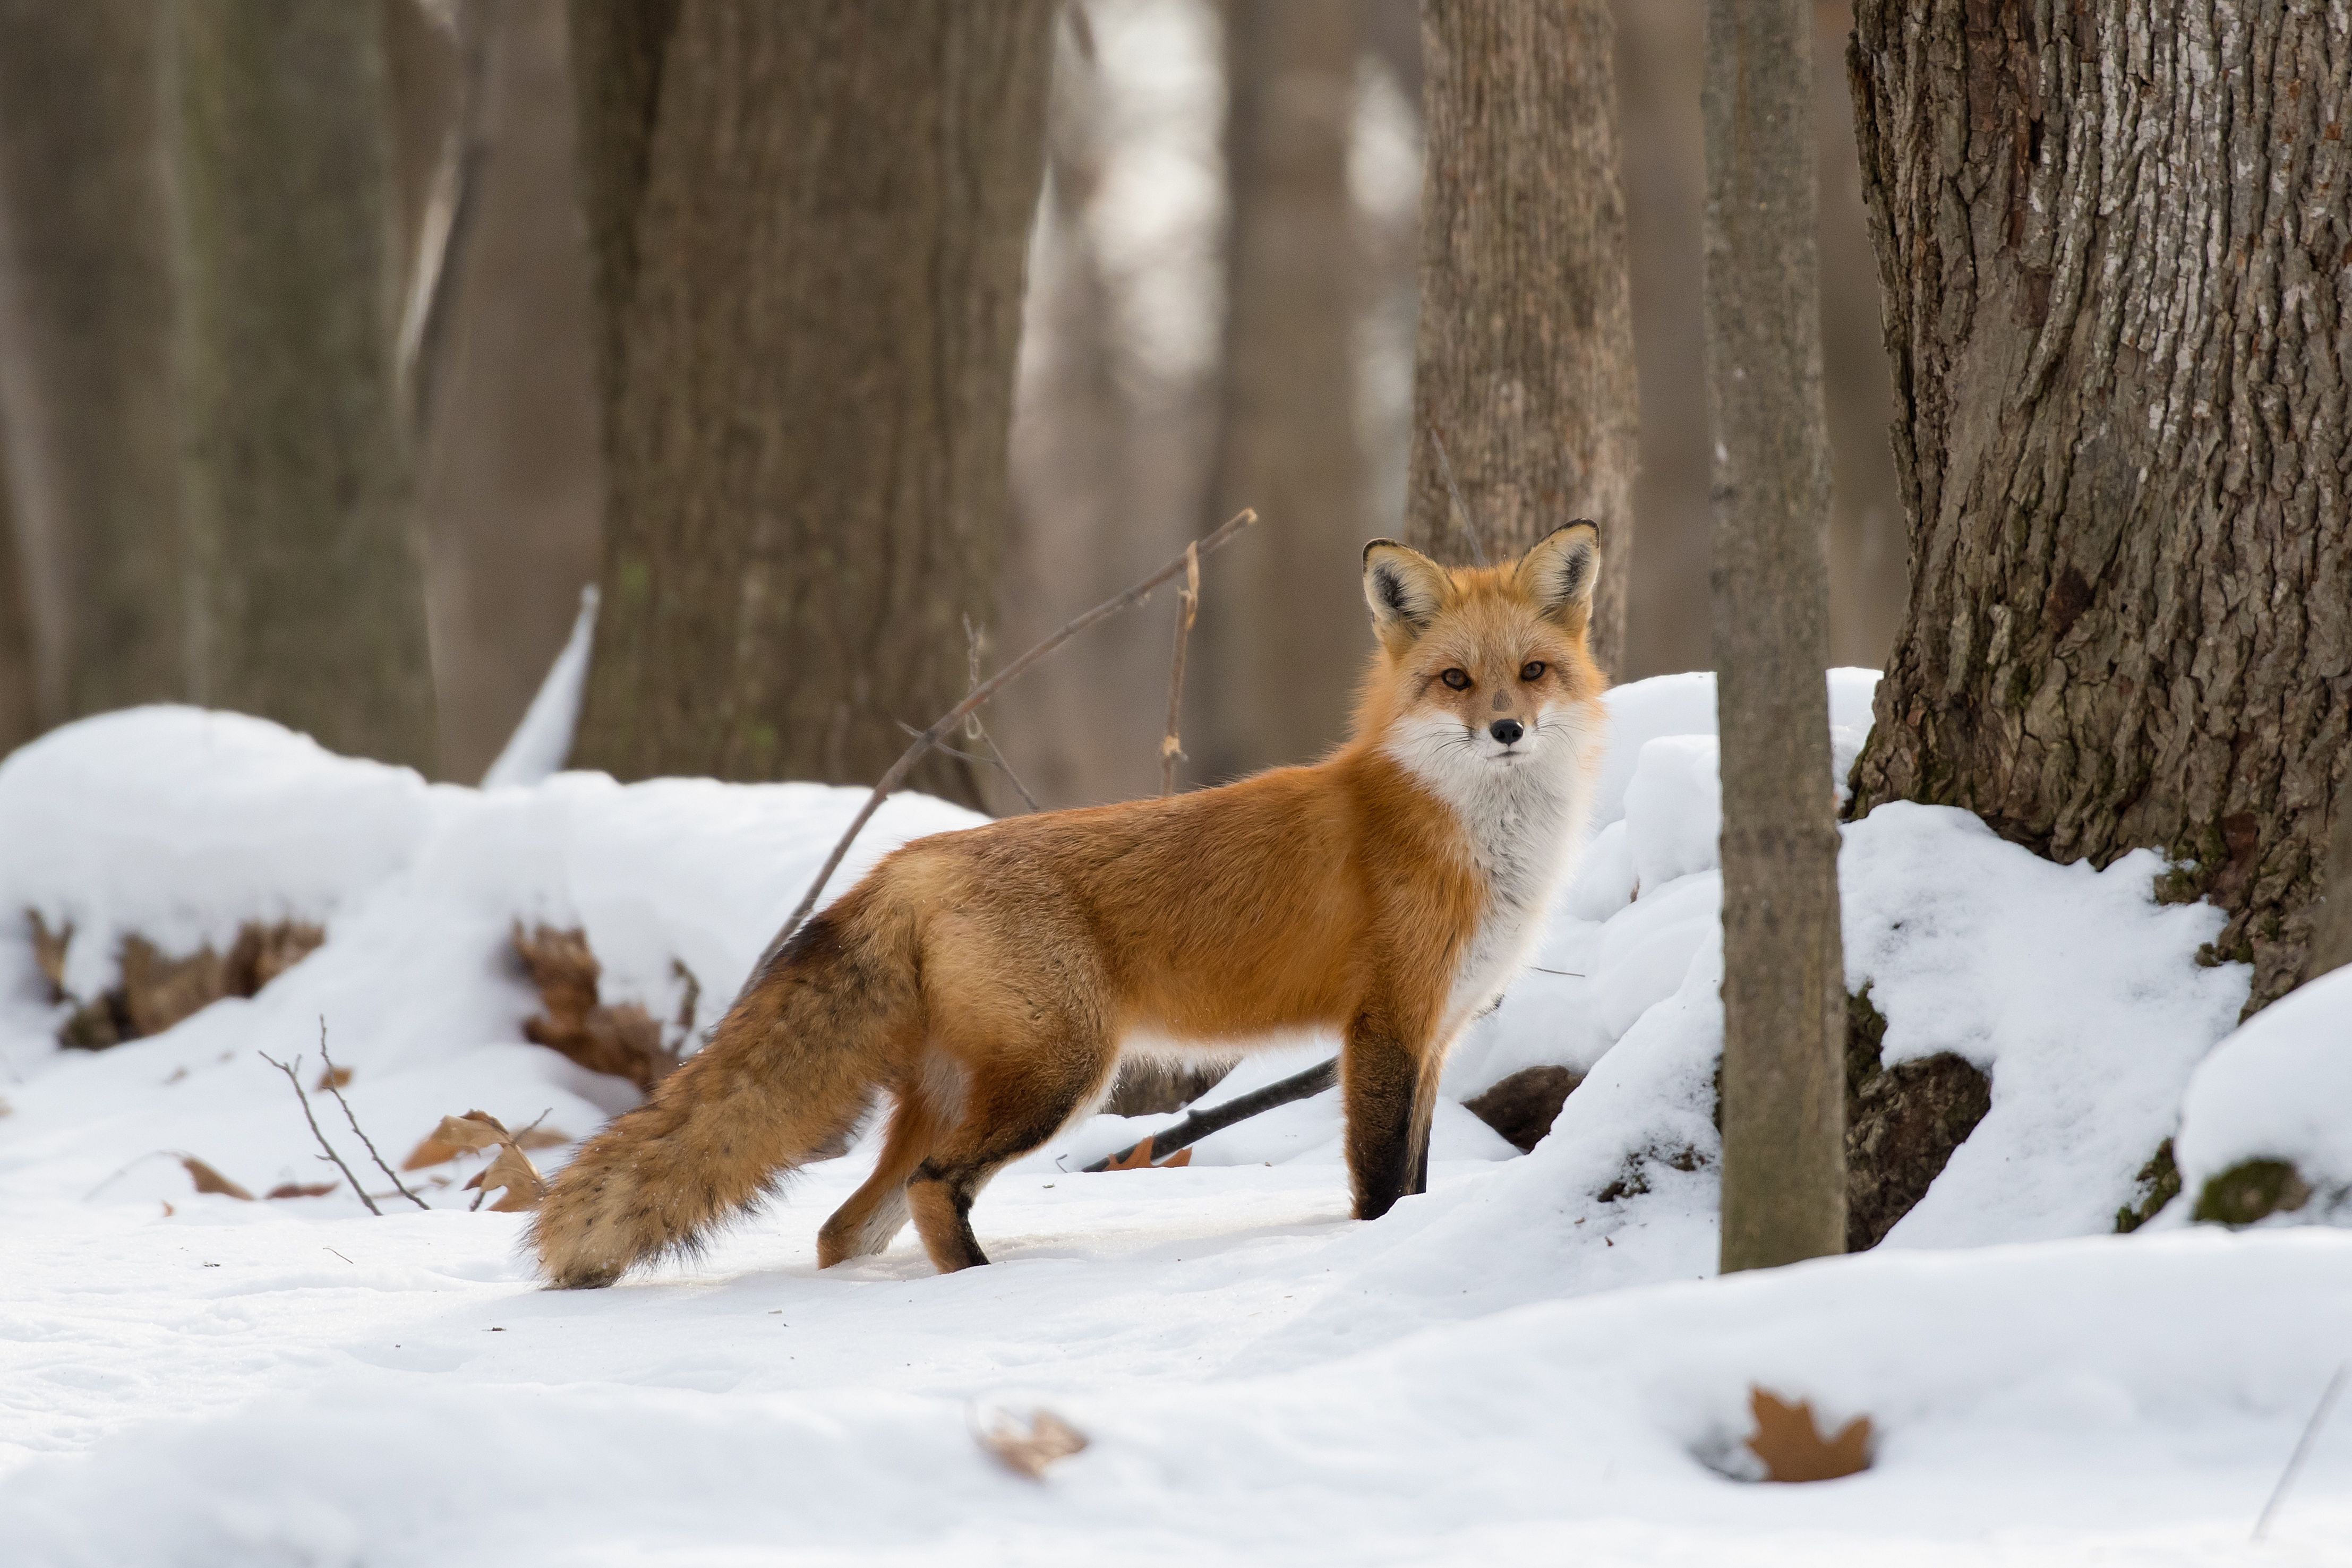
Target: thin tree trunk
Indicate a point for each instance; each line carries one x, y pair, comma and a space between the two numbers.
1525, 359
85, 350
306, 600
510, 476
1282, 635
1784, 975
19, 713
810, 223
2111, 242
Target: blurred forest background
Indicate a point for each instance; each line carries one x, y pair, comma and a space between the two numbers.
1187, 141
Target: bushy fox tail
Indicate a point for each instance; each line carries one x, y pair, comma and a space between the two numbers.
792, 1068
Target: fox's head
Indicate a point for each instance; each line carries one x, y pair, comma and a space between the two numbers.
1485, 669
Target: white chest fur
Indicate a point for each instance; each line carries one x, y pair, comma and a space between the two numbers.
1523, 824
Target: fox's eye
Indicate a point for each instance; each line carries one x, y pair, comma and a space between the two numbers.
1458, 679
1534, 671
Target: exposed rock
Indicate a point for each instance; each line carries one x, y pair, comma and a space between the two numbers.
1147, 1088
2157, 1183
2251, 1190
1902, 1123
1523, 1106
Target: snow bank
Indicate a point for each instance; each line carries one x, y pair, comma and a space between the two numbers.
177, 824
2279, 1089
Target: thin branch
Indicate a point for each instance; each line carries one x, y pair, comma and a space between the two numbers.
1461, 508
2301, 1449
1241, 1108
1188, 607
946, 723
349, 1115
994, 759
297, 1082
976, 731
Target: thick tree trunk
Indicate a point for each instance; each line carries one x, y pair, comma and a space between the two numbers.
85, 351
307, 595
1282, 634
810, 226
1525, 359
1783, 973
2111, 242
2331, 937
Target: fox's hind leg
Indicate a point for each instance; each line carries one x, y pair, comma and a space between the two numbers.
1012, 1102
867, 1222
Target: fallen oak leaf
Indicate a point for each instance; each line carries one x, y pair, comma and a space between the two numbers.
1138, 1158
514, 1177
470, 1134
302, 1189
1048, 1440
207, 1179
333, 1078
1793, 1447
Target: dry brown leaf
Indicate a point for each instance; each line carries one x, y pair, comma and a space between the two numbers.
1791, 1445
541, 1138
519, 1179
168, 1210
210, 1180
1182, 1158
1140, 1158
50, 952
1048, 1440
336, 1078
468, 1133
302, 1189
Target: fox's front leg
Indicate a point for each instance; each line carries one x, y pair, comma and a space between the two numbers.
1380, 1070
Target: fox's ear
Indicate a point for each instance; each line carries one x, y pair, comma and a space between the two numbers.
1405, 589
1559, 571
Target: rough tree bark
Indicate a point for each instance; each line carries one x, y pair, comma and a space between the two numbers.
1524, 362
2112, 240
85, 351
19, 713
810, 227
307, 602
1784, 1188
1282, 635
2331, 936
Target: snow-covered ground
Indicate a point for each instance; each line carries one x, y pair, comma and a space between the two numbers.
1511, 1368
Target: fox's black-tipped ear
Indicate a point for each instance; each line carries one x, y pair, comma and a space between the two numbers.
1559, 572
1405, 589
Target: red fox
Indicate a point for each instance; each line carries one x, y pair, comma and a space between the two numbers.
988, 980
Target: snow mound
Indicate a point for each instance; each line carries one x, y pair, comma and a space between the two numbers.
2280, 1089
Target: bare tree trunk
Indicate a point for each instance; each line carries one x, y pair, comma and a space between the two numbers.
1784, 974
2331, 937
306, 600
509, 475
2111, 243
1282, 635
1525, 361
20, 714
810, 227
85, 351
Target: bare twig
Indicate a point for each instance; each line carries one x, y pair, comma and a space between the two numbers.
1188, 607
297, 1082
941, 727
1461, 508
1241, 1108
2301, 1449
350, 1115
994, 759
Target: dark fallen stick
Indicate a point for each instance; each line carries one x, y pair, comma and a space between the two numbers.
944, 725
1200, 1124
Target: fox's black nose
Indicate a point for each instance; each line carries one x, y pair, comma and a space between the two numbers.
1507, 730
